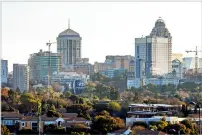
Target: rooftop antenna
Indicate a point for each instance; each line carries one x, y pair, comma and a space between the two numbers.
68, 23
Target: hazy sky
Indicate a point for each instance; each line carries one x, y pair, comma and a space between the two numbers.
106, 28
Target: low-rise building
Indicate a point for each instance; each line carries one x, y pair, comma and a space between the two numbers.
120, 61
152, 112
11, 119
177, 68
102, 66
137, 82
114, 72
66, 77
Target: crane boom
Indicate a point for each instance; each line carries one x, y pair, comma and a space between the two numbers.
196, 58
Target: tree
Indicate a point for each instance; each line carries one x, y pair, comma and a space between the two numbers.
12, 97
190, 127
176, 128
151, 87
52, 108
28, 100
79, 108
74, 98
137, 98
104, 113
4, 92
106, 124
56, 87
52, 113
6, 107
127, 96
4, 130
114, 106
18, 90
67, 94
137, 128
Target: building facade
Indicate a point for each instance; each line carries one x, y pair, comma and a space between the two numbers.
131, 71
66, 77
21, 77
157, 81
10, 79
119, 61
189, 62
100, 67
177, 68
155, 50
39, 64
69, 45
114, 72
4, 71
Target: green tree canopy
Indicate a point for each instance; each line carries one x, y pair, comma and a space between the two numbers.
114, 106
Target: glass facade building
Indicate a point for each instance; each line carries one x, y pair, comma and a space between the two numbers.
39, 64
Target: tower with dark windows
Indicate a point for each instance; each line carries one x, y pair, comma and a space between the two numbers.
69, 45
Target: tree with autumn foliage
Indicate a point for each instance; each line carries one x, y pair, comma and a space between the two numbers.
4, 130
29, 101
114, 106
104, 124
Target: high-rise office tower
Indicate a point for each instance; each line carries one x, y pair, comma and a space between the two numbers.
39, 64
69, 45
155, 51
21, 77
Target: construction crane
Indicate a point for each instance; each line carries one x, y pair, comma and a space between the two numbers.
196, 59
49, 48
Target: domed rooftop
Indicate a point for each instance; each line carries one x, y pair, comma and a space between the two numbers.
160, 22
69, 32
160, 29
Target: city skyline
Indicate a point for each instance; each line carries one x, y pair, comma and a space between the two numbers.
102, 30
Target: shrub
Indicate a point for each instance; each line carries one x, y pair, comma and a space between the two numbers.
140, 123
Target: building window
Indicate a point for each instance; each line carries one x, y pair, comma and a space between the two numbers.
23, 124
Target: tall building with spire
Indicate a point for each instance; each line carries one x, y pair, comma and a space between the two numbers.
69, 45
155, 50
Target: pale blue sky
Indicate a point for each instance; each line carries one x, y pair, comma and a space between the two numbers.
106, 28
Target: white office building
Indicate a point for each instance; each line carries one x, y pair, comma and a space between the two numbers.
21, 77
155, 50
66, 77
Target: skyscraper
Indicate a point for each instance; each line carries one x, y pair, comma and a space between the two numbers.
21, 77
4, 71
155, 50
69, 45
39, 63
